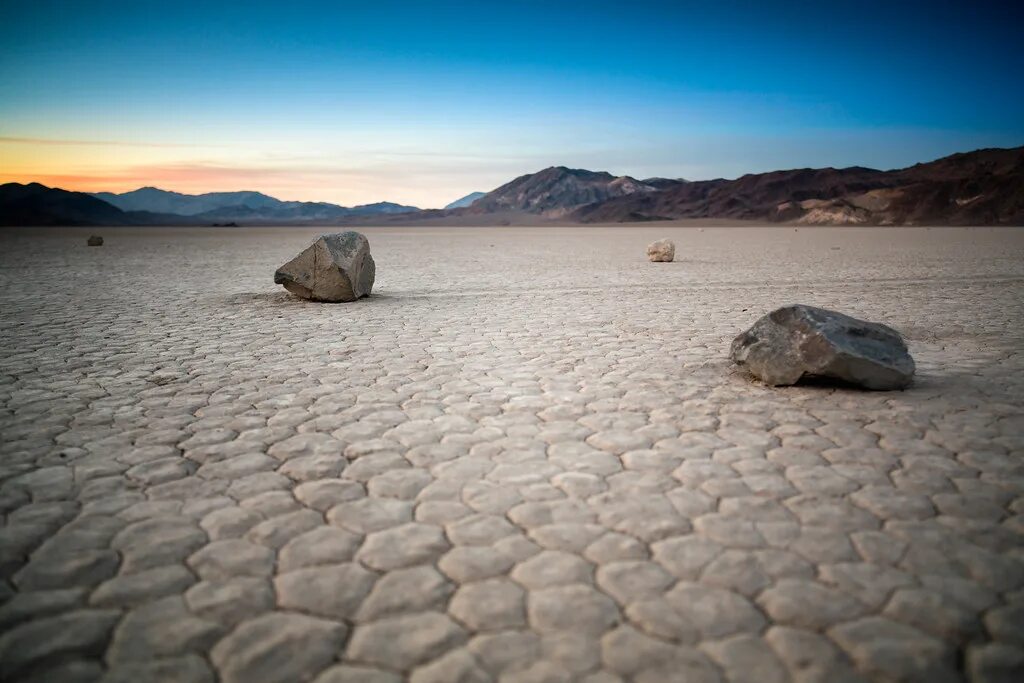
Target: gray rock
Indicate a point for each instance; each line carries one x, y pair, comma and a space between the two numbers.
94, 241
799, 341
662, 250
336, 267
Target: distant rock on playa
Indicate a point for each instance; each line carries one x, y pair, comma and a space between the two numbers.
94, 241
336, 267
662, 250
799, 341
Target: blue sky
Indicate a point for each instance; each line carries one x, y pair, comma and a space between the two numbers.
422, 102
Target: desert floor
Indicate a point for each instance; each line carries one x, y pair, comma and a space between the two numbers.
525, 458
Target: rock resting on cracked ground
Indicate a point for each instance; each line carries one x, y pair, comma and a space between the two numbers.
795, 342
661, 251
336, 267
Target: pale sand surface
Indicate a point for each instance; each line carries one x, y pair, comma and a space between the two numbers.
526, 457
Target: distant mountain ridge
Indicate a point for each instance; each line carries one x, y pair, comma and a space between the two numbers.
465, 201
556, 191
240, 206
663, 183
983, 187
166, 201
35, 204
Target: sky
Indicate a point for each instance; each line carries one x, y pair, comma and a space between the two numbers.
423, 102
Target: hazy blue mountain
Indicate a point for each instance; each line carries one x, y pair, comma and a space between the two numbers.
380, 207
36, 204
238, 206
465, 201
164, 201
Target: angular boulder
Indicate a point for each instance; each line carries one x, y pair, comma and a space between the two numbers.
336, 267
662, 250
799, 341
94, 241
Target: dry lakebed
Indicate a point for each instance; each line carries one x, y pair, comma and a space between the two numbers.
525, 457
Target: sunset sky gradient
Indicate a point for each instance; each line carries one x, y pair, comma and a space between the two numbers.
423, 102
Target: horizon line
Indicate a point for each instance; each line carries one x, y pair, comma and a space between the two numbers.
388, 201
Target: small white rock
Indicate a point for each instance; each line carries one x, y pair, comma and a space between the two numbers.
662, 250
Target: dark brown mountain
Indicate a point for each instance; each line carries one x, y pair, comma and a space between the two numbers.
556, 191
977, 164
36, 204
985, 187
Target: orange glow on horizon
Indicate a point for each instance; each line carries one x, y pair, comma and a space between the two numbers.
120, 167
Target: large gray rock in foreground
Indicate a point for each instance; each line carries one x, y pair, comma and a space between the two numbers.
802, 341
337, 267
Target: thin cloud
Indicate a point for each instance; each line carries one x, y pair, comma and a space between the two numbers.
456, 156
206, 177
94, 143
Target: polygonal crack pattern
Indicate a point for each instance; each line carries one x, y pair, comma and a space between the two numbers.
520, 459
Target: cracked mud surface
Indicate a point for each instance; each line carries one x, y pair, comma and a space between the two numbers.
526, 457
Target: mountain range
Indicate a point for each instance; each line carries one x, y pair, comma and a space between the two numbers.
35, 204
465, 201
983, 187
239, 206
555, 192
